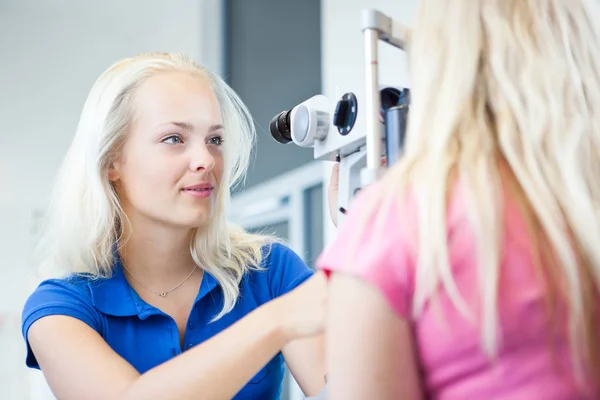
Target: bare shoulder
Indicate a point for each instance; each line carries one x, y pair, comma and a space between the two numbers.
358, 366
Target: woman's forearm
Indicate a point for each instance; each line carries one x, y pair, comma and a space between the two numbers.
219, 367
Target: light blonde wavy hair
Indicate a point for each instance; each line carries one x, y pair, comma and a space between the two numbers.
513, 83
85, 221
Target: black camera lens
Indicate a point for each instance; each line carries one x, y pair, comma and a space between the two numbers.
280, 127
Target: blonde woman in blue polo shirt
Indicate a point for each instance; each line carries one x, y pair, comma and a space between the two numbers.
161, 297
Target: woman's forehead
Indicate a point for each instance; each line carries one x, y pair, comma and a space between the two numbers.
177, 97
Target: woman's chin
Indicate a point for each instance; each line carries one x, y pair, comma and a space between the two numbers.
199, 220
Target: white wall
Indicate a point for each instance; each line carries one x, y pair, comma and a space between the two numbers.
51, 53
342, 45
343, 55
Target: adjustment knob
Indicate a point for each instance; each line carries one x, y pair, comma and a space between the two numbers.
345, 113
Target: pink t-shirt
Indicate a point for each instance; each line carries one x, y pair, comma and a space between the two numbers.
452, 361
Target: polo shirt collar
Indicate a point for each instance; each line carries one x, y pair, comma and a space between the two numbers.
115, 296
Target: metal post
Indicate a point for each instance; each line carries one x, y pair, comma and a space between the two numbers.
373, 134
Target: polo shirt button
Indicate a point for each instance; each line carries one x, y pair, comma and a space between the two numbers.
190, 325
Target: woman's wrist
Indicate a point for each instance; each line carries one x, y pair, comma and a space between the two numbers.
300, 313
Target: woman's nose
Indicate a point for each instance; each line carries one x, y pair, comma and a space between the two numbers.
202, 159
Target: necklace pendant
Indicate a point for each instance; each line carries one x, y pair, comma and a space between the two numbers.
162, 294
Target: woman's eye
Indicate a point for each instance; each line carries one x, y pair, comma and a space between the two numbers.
175, 139
217, 140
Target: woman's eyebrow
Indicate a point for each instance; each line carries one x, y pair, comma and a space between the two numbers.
189, 127
216, 127
182, 125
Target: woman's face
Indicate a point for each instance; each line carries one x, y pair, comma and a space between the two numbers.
171, 166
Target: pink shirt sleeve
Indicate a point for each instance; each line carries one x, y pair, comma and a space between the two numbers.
377, 250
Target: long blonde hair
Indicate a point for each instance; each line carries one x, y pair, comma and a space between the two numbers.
514, 82
85, 221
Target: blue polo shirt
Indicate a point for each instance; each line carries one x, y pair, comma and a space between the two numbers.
145, 336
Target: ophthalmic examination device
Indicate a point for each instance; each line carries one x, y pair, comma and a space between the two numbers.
357, 131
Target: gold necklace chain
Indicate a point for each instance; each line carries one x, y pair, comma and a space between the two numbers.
161, 294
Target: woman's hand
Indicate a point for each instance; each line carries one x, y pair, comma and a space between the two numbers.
302, 311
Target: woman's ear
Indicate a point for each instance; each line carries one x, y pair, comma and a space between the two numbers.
113, 173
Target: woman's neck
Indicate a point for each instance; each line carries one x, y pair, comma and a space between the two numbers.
158, 256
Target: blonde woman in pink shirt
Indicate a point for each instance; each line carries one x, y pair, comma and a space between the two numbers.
471, 270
